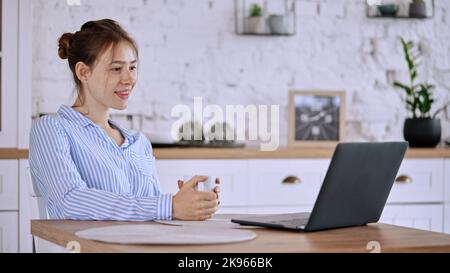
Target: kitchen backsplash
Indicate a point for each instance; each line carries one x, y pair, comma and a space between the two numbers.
189, 48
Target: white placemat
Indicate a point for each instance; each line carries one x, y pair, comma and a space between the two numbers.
166, 234
213, 222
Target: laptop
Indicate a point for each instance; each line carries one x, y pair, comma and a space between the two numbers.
353, 193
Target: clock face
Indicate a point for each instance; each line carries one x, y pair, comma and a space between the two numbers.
317, 118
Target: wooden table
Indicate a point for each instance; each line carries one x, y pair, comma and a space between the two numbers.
354, 239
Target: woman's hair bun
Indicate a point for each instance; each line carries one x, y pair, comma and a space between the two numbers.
64, 44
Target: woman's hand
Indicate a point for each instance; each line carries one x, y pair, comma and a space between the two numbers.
189, 204
216, 188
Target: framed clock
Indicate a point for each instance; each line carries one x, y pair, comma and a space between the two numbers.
316, 118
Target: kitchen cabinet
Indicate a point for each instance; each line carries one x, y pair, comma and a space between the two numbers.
270, 183
420, 216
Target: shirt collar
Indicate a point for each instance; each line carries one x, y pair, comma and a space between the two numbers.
129, 136
71, 114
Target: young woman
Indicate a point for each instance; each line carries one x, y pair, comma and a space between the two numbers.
86, 166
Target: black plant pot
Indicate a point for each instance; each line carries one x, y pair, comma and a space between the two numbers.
422, 132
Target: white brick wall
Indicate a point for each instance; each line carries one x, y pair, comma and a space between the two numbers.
189, 48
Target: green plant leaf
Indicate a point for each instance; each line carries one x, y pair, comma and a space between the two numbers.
424, 99
255, 10
404, 87
419, 98
414, 74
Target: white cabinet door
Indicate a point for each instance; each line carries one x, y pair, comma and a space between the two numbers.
8, 70
9, 185
426, 217
233, 174
423, 181
232, 210
286, 182
9, 231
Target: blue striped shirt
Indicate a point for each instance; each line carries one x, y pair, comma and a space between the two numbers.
83, 174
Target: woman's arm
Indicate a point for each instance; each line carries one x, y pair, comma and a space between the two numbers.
187, 203
68, 196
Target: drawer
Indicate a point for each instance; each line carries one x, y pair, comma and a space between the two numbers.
233, 174
9, 185
268, 183
426, 217
9, 232
424, 181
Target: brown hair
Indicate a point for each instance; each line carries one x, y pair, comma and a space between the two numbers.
90, 42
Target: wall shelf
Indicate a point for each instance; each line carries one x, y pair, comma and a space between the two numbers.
278, 18
385, 9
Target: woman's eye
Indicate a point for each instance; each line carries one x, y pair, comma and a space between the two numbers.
133, 68
116, 69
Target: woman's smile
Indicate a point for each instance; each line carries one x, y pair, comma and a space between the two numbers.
123, 94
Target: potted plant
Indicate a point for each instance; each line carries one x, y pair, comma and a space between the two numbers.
417, 9
255, 22
423, 129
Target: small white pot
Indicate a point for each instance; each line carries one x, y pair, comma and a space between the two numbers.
278, 24
256, 24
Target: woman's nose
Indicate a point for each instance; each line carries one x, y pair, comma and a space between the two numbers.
128, 77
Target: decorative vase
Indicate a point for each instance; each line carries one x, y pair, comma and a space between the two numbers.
278, 24
422, 132
418, 9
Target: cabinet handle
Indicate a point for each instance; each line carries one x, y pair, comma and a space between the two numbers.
291, 180
406, 179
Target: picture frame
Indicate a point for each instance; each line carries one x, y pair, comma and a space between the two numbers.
316, 118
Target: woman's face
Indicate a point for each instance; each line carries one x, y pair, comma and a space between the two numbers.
113, 77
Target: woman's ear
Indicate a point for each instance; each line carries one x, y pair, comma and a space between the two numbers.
83, 72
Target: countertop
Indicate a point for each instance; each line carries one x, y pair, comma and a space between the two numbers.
248, 152
282, 152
